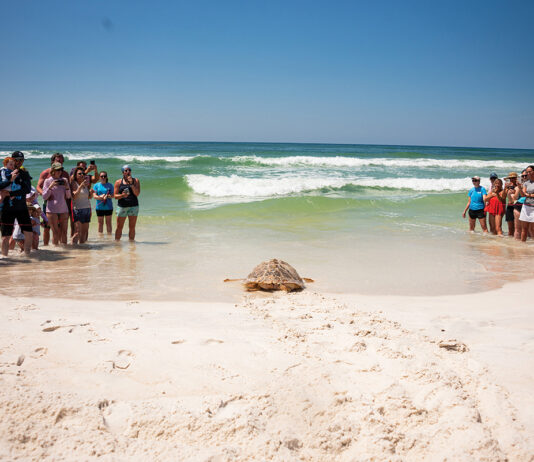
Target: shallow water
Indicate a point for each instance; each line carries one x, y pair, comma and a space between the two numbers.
366, 219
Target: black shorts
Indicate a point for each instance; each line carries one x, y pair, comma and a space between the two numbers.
509, 213
518, 206
474, 214
8, 218
104, 213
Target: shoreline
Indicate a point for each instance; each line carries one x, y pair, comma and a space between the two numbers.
273, 377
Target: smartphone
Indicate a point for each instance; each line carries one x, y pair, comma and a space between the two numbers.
92, 162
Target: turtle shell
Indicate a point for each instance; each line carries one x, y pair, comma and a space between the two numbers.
274, 275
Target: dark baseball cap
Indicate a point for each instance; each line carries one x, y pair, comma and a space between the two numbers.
17, 155
494, 175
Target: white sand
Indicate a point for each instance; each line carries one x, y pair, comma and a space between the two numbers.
276, 377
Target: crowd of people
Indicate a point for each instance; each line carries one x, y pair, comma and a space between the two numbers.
511, 200
66, 200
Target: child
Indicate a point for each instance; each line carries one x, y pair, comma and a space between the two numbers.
31, 201
5, 178
18, 235
35, 215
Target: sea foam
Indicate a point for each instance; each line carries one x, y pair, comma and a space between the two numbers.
340, 161
238, 186
310, 161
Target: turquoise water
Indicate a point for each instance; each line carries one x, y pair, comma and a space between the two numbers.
340, 211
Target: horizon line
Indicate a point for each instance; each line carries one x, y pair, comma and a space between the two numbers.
266, 142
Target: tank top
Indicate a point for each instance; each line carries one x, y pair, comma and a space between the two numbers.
82, 200
131, 199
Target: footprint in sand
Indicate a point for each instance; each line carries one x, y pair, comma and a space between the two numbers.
453, 345
39, 352
123, 360
212, 340
29, 307
51, 328
178, 342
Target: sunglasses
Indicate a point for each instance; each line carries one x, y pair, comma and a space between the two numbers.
475, 181
126, 170
103, 176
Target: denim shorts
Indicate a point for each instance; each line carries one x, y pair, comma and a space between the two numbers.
82, 215
127, 211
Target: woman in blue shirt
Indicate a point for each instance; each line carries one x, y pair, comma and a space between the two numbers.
104, 205
475, 204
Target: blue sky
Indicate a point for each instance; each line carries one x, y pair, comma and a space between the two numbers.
457, 73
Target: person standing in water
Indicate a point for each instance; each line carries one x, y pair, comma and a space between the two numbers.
493, 176
475, 205
14, 207
127, 189
527, 211
496, 207
45, 174
104, 205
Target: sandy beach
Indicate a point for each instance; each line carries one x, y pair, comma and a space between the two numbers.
302, 376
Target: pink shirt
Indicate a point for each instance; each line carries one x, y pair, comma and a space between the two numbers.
55, 198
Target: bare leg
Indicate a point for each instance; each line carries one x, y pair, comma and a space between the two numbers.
108, 224
524, 230
131, 225
35, 241
491, 219
472, 223
100, 225
5, 245
63, 221
511, 228
483, 224
498, 224
28, 238
517, 225
54, 226
118, 231
77, 232
84, 230
46, 236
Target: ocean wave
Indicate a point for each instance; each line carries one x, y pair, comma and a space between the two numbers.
237, 186
109, 156
304, 161
340, 161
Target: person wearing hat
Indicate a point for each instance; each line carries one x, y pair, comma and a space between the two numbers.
126, 191
512, 189
56, 191
15, 208
45, 174
475, 205
527, 211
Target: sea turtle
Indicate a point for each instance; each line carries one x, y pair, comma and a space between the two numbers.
274, 275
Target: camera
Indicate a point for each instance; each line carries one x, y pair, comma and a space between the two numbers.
92, 162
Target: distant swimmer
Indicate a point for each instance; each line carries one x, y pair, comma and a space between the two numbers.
475, 205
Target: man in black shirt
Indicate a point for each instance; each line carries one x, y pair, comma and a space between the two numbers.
15, 206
